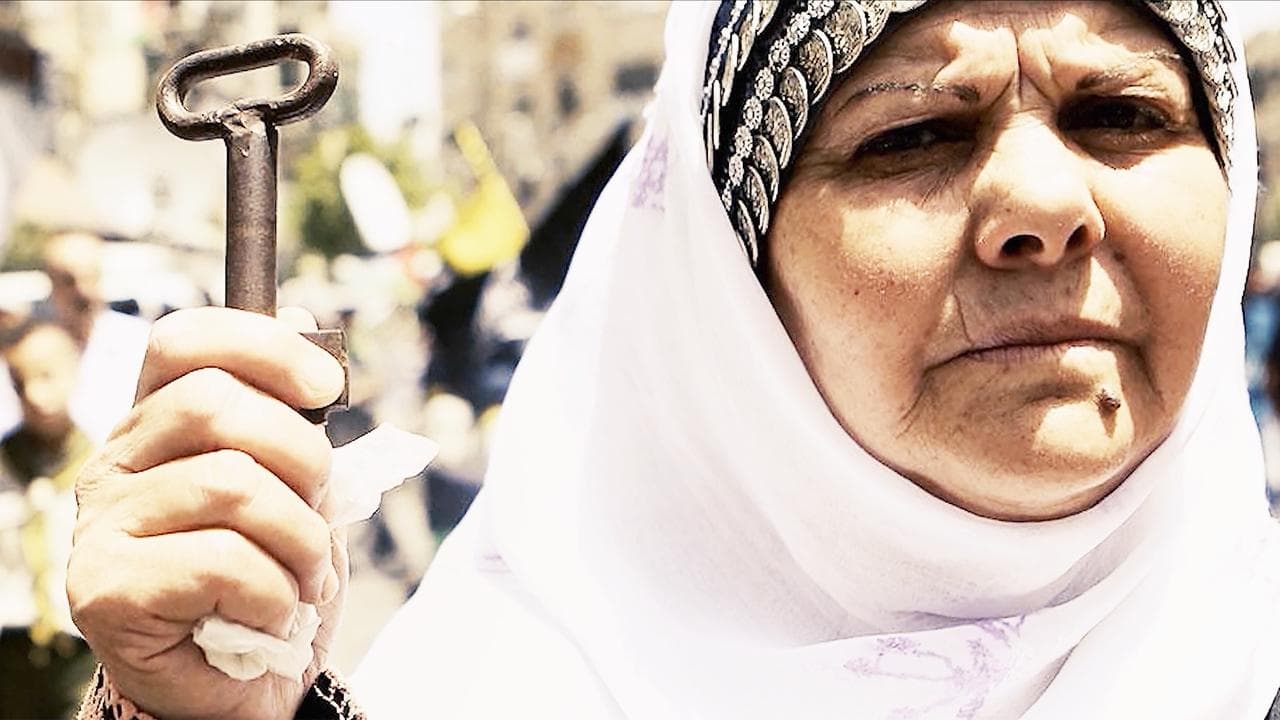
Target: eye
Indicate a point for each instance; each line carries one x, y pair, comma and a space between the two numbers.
1113, 114
920, 136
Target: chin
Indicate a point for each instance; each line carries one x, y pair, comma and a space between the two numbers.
1063, 460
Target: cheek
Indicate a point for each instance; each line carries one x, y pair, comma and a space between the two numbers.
1169, 232
861, 287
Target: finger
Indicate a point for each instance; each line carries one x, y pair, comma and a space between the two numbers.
229, 489
263, 351
233, 579
297, 318
332, 610
182, 577
209, 410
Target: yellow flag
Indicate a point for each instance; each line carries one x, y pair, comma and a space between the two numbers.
489, 228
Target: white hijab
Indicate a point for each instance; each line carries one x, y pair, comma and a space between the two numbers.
675, 526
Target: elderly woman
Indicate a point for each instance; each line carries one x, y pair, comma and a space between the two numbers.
898, 375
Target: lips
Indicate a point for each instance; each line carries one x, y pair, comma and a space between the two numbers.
1041, 340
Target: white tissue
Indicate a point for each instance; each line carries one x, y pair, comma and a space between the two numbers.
361, 472
245, 653
370, 465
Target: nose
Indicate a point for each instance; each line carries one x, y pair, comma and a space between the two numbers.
1033, 204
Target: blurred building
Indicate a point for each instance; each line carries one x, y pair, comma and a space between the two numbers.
547, 82
107, 165
103, 58
24, 109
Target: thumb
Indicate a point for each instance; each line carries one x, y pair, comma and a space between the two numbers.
297, 318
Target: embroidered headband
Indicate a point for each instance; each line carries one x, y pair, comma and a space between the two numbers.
771, 64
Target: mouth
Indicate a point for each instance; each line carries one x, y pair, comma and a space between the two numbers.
1042, 342
1034, 352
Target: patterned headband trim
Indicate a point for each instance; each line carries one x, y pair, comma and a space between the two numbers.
772, 63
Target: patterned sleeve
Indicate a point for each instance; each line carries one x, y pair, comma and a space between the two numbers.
327, 699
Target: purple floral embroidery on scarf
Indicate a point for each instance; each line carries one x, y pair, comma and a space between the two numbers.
964, 679
650, 183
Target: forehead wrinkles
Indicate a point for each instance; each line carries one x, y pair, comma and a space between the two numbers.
1103, 17
1052, 42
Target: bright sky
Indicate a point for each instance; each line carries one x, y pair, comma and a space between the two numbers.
1255, 15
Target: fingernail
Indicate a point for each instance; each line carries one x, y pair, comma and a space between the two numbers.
323, 376
330, 589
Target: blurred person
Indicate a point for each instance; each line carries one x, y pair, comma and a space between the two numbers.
1262, 358
453, 479
44, 664
447, 316
73, 262
898, 373
112, 344
1261, 320
20, 293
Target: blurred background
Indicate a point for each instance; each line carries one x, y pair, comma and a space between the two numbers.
430, 209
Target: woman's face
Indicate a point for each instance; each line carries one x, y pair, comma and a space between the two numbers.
997, 252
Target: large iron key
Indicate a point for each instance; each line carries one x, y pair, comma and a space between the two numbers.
248, 127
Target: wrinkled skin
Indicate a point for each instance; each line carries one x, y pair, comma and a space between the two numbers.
997, 252
208, 499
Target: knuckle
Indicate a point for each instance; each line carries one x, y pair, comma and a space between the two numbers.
237, 467
205, 394
239, 568
88, 608
305, 455
90, 612
78, 584
88, 480
228, 483
226, 550
94, 600
97, 487
212, 382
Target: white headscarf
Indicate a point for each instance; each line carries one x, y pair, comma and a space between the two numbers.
675, 526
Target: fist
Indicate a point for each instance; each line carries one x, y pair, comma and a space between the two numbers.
205, 501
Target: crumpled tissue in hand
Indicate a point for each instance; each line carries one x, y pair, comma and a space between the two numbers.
361, 472
245, 653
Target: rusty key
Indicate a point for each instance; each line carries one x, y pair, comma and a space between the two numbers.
248, 127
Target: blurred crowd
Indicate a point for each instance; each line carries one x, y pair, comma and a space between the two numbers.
428, 215
1262, 359
69, 359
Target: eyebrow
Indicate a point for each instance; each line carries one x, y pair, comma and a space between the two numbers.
965, 93
1131, 71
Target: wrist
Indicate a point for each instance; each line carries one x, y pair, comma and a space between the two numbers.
105, 702
326, 699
